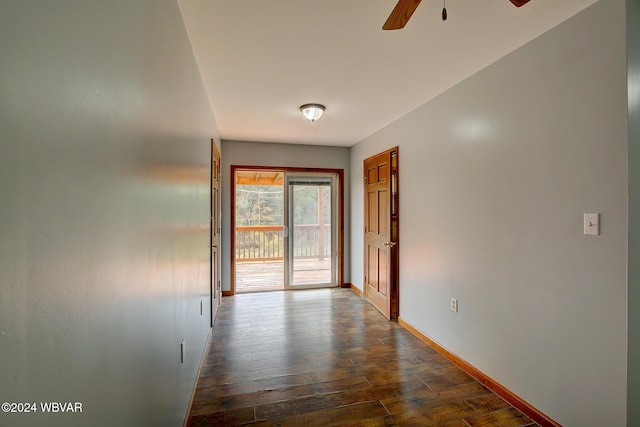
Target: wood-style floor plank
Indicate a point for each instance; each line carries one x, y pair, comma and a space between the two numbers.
298, 406
327, 358
508, 418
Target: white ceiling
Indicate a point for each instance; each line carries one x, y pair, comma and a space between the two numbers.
261, 59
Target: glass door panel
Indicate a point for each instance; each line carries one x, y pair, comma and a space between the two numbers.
311, 231
259, 230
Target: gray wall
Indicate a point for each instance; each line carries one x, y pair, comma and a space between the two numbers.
495, 175
104, 253
633, 60
292, 155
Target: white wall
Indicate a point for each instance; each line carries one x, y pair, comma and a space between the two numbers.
103, 253
495, 175
290, 155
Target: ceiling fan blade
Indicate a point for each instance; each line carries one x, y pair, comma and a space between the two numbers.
519, 3
401, 14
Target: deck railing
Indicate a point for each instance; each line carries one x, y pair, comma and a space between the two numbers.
265, 242
259, 243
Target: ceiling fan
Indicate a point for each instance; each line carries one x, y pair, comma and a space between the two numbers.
405, 8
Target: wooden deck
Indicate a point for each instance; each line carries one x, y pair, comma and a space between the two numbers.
260, 276
326, 357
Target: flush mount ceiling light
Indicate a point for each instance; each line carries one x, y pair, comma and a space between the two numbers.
312, 112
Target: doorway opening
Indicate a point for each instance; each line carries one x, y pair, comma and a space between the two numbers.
259, 230
287, 229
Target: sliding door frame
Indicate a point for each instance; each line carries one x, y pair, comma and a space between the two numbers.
289, 264
285, 169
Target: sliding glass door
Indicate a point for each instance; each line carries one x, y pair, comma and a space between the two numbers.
285, 229
310, 230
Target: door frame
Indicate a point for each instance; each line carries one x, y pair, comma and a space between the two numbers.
286, 169
394, 215
288, 256
215, 216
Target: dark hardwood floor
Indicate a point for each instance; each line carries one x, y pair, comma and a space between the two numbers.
327, 358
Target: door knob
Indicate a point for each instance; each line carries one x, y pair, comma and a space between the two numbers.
390, 244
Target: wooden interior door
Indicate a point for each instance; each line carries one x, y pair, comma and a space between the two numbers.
214, 220
380, 281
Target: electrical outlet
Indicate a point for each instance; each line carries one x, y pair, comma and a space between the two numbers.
182, 351
454, 304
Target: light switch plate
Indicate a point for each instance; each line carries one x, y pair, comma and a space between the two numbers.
592, 224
